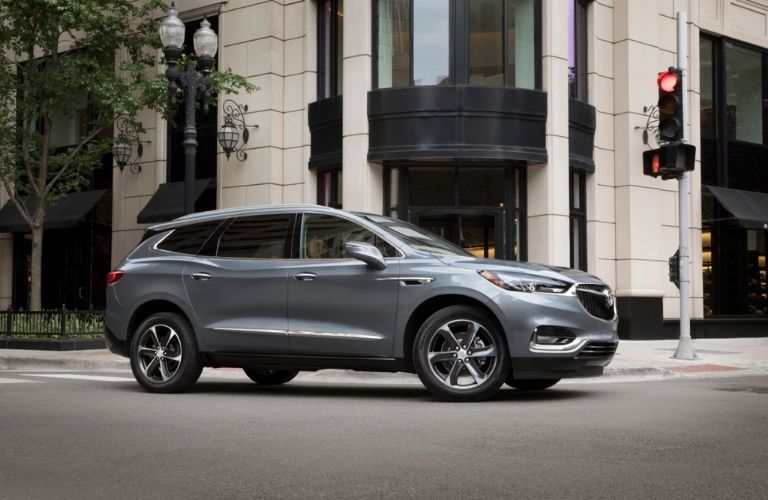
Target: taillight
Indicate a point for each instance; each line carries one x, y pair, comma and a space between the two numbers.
113, 276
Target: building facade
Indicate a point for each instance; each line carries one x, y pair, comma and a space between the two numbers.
514, 128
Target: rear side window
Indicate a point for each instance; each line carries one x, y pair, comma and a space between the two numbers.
189, 239
256, 237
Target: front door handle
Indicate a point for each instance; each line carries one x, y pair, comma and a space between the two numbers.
201, 276
304, 276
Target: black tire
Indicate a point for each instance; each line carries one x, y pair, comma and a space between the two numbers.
270, 377
164, 355
538, 384
452, 369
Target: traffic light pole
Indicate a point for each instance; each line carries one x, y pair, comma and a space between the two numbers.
685, 343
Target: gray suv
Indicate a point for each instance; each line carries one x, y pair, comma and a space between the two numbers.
280, 289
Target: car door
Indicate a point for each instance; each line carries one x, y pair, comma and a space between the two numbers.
337, 305
239, 292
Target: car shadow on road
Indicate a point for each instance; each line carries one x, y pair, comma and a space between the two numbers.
365, 391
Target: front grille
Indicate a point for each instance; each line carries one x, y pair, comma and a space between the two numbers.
595, 301
598, 350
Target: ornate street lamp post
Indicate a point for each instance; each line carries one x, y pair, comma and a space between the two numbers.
191, 83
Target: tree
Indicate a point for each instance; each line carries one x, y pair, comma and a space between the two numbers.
58, 54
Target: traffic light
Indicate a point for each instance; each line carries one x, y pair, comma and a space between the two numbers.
669, 161
671, 120
674, 269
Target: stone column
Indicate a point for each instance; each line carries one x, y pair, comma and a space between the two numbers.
362, 181
548, 208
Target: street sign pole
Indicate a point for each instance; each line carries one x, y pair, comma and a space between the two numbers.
685, 343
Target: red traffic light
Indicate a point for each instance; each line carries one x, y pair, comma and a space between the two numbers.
667, 81
670, 104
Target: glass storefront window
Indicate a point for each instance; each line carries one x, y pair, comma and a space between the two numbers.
329, 188
431, 47
486, 45
330, 45
577, 49
578, 220
734, 146
706, 104
394, 43
479, 208
481, 187
443, 42
744, 83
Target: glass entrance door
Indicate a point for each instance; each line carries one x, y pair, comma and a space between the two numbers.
476, 231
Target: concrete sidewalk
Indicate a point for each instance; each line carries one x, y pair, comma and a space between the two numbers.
638, 359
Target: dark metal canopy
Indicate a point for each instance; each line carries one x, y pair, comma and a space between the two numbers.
750, 208
64, 213
168, 202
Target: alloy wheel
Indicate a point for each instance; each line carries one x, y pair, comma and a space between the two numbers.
462, 354
159, 353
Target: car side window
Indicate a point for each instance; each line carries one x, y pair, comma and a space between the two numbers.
188, 239
256, 237
324, 237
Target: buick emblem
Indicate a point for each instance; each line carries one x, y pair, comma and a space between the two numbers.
608, 297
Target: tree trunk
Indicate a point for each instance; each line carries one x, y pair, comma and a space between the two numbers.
36, 265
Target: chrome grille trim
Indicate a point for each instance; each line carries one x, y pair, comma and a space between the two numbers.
594, 300
598, 349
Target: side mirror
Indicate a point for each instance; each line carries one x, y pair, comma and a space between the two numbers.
367, 253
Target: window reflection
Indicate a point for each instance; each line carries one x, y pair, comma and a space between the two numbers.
486, 45
415, 40
431, 47
744, 84
522, 43
394, 43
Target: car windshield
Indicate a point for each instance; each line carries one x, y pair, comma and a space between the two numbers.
416, 237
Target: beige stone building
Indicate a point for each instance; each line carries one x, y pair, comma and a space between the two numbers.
512, 127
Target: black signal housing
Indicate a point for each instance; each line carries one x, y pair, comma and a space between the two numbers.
670, 104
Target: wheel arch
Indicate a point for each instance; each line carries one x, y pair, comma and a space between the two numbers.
151, 307
429, 307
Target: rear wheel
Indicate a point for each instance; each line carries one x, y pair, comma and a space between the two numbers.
533, 384
270, 377
460, 354
163, 352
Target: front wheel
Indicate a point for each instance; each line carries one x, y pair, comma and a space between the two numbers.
533, 384
270, 377
460, 354
164, 356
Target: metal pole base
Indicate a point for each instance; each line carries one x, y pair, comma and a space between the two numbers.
685, 350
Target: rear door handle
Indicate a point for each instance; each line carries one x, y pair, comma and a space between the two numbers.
304, 276
201, 276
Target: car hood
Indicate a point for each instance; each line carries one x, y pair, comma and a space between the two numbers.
554, 272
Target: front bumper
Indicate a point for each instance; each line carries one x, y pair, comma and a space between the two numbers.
559, 367
593, 347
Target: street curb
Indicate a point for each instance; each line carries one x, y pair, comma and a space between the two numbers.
23, 363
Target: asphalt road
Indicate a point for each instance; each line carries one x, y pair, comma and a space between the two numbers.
93, 437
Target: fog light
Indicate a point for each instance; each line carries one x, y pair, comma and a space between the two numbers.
552, 335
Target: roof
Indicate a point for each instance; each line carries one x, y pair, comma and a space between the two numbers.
225, 213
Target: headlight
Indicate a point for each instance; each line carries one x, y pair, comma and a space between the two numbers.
525, 282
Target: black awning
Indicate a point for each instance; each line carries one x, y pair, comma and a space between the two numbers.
750, 208
65, 213
168, 202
